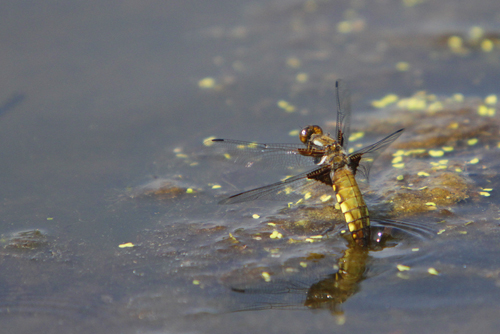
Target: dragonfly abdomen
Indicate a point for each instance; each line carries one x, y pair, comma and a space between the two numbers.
352, 205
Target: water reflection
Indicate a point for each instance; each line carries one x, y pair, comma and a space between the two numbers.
308, 290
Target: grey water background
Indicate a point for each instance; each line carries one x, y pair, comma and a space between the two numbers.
96, 96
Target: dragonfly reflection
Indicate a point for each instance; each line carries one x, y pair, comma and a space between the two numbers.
334, 166
316, 288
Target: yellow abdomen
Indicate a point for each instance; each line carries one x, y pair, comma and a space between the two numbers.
352, 205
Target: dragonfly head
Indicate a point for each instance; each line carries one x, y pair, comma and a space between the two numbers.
307, 133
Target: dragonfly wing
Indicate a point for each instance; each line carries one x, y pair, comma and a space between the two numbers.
362, 160
249, 154
343, 127
293, 188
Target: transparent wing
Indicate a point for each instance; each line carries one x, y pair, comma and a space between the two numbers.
248, 154
367, 155
291, 189
343, 127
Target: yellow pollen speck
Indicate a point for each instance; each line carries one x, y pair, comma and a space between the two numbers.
441, 231
401, 165
344, 27
487, 45
126, 245
403, 267
455, 42
227, 156
447, 148
397, 159
436, 153
398, 153
196, 282
476, 32
432, 271
422, 174
487, 189
453, 125
276, 235
307, 195
462, 232
340, 319
458, 170
402, 66
436, 106
233, 239
482, 110
206, 83
413, 103
325, 198
303, 264
282, 104
491, 99
400, 274
181, 155
293, 62
472, 141
385, 101
484, 193
216, 186
356, 135
430, 204
265, 275
458, 97
422, 188
255, 216
302, 77
415, 249
474, 161
400, 177
189, 191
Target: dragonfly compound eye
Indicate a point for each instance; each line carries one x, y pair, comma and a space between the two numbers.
308, 131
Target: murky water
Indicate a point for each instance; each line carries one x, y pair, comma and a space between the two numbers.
109, 217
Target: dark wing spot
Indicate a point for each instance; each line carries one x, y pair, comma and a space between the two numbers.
322, 175
354, 162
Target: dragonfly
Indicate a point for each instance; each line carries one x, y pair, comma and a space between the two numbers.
333, 166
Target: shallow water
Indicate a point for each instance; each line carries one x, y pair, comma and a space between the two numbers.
103, 113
